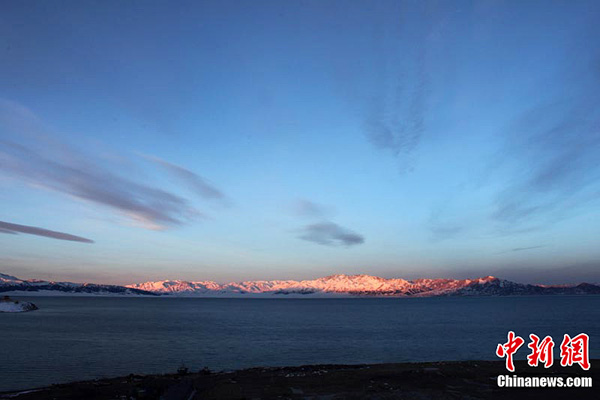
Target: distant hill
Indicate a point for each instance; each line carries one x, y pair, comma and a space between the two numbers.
365, 285
12, 284
334, 285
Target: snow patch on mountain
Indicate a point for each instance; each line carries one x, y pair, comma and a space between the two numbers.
329, 286
361, 285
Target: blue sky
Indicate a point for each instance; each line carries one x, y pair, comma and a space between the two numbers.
234, 140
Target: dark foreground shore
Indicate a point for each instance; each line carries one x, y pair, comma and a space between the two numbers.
439, 380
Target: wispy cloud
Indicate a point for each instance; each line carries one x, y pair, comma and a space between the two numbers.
194, 181
556, 147
441, 231
330, 234
443, 225
517, 249
309, 209
72, 172
545, 165
398, 124
7, 227
396, 120
526, 248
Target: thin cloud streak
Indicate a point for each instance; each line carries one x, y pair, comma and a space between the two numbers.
309, 209
194, 181
442, 227
559, 143
517, 249
442, 232
71, 172
153, 207
330, 234
545, 169
7, 227
526, 248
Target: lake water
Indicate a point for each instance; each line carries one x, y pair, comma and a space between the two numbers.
76, 338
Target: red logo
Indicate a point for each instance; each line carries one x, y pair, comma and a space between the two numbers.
575, 351
572, 351
543, 351
509, 348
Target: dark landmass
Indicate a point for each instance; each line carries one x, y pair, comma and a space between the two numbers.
89, 288
437, 380
12, 284
9, 305
493, 287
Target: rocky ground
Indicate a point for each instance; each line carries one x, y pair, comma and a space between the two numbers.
440, 380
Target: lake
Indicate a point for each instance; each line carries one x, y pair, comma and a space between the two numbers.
77, 338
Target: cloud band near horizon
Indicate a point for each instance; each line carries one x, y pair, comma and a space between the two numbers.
10, 228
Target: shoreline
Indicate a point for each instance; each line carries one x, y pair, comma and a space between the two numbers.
426, 380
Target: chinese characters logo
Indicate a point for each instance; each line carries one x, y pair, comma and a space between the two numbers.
573, 350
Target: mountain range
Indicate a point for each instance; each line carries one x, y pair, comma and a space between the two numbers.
340, 285
12, 284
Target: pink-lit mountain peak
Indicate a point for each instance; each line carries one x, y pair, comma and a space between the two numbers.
339, 283
333, 285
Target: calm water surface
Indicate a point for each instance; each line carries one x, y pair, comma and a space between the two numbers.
75, 338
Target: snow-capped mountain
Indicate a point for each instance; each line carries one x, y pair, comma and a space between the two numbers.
178, 287
340, 285
363, 285
10, 283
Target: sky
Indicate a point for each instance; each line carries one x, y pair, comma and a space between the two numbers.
242, 140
